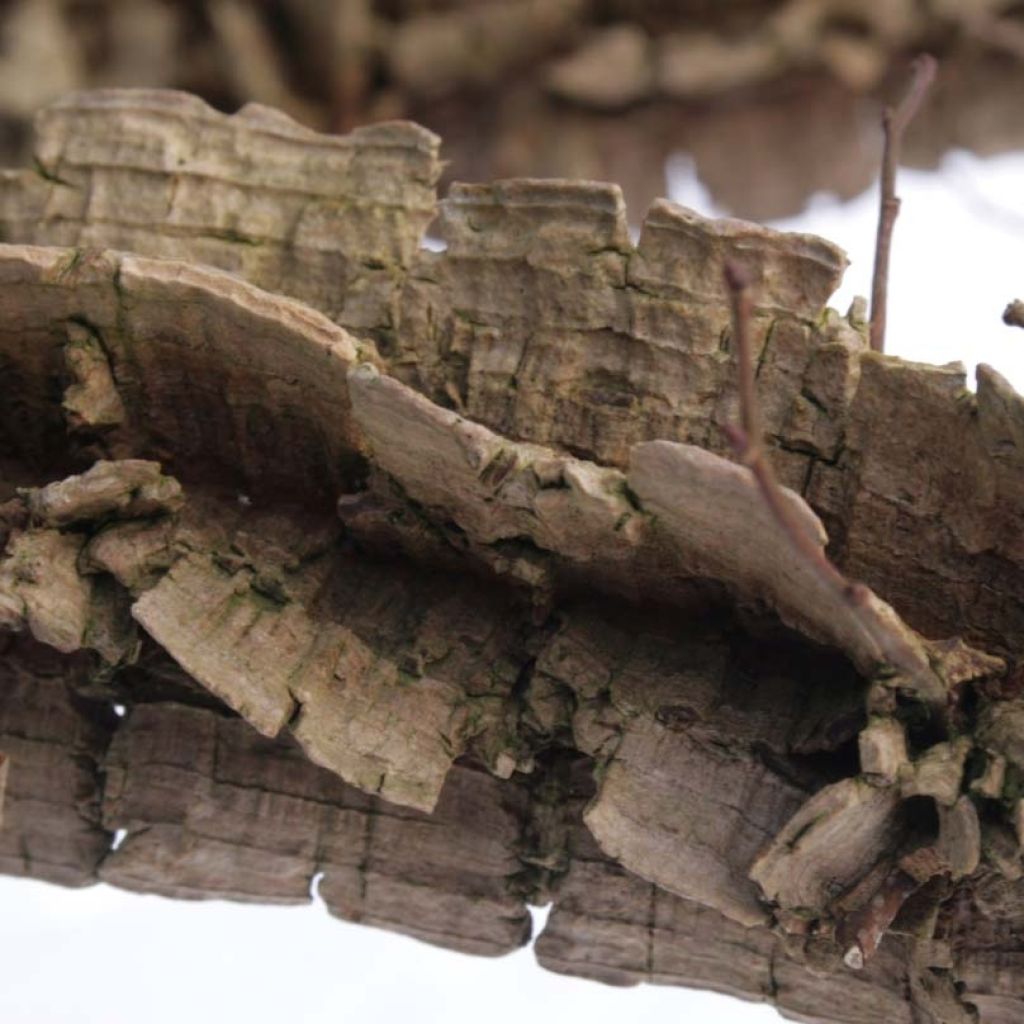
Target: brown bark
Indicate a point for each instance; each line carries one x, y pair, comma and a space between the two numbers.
427, 572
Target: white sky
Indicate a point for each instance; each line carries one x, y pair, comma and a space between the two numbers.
104, 956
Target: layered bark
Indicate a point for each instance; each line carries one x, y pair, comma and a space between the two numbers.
446, 596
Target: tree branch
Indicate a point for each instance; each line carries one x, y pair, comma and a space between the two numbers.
894, 124
748, 442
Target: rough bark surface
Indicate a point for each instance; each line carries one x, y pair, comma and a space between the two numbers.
426, 588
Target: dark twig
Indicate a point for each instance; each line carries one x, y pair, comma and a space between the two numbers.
894, 124
1013, 315
748, 442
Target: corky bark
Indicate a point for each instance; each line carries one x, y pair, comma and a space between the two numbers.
427, 572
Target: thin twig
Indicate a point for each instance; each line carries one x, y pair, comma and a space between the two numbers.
894, 124
748, 442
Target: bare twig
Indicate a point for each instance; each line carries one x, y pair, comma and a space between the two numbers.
748, 442
894, 124
1013, 315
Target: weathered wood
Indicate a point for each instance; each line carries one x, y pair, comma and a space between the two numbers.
463, 607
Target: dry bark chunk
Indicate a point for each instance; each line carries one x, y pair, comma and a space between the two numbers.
40, 588
92, 402
883, 749
668, 809
128, 489
329, 220
52, 745
829, 844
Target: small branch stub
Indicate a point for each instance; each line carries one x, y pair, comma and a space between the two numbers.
1013, 315
894, 124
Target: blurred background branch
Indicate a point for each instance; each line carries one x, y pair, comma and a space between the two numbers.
773, 99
